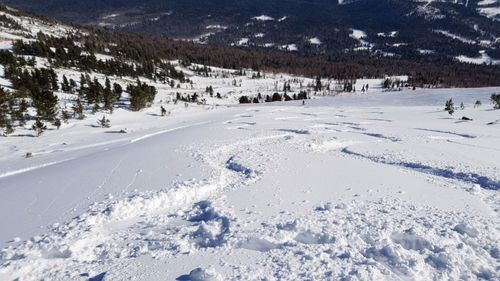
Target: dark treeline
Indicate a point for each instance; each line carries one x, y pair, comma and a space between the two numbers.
432, 72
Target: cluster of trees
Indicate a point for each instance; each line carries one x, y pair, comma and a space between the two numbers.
427, 71
302, 95
12, 111
391, 83
34, 88
187, 98
64, 52
141, 95
450, 105
9, 23
97, 95
423, 73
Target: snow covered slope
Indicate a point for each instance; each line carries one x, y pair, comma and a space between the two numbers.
379, 186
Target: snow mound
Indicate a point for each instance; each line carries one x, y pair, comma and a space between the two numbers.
200, 274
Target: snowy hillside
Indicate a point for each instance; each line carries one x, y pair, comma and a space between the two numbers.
166, 170
370, 187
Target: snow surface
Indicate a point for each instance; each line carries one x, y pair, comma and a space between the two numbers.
483, 58
377, 186
350, 186
456, 37
290, 47
263, 18
490, 12
315, 41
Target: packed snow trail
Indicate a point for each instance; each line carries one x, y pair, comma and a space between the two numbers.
288, 192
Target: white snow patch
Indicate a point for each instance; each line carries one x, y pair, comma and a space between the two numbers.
315, 41
263, 18
483, 58
243, 42
454, 36
290, 47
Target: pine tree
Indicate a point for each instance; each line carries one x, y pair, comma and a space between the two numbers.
65, 87
9, 129
39, 127
45, 103
117, 89
244, 99
65, 116
495, 99
103, 122
78, 110
141, 95
57, 123
449, 106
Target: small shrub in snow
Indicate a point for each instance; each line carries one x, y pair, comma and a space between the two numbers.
9, 129
57, 123
103, 122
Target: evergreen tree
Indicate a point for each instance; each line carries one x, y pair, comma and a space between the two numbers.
141, 95
78, 110
9, 129
103, 122
276, 97
39, 127
65, 87
244, 99
45, 103
318, 86
57, 123
449, 106
117, 89
65, 116
495, 99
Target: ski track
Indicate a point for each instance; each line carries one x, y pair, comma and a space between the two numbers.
471, 178
97, 233
32, 168
448, 133
147, 136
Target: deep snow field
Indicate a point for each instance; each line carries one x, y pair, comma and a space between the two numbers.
379, 186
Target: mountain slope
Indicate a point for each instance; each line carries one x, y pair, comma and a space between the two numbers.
393, 27
121, 158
